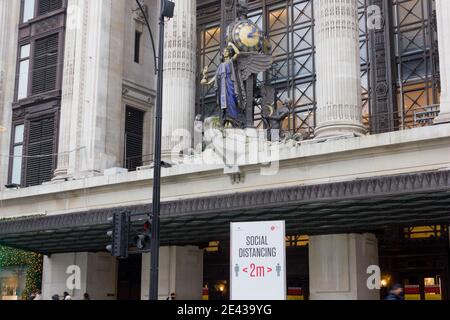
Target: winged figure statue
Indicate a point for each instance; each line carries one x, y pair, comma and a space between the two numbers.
231, 82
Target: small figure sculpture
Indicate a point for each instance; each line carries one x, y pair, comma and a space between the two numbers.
273, 121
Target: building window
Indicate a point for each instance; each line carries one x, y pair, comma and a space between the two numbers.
425, 232
137, 46
208, 53
45, 64
134, 137
28, 8
33, 151
46, 6
289, 26
40, 148
416, 53
24, 68
16, 171
297, 241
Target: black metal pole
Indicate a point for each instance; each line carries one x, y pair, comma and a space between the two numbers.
156, 200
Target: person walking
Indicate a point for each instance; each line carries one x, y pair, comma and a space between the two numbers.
38, 295
396, 293
173, 296
67, 296
86, 296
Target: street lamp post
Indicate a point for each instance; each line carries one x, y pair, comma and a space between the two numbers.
167, 10
156, 199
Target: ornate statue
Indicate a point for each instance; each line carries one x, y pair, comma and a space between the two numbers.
226, 84
273, 119
235, 79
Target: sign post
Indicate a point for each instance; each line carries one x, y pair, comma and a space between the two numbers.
258, 261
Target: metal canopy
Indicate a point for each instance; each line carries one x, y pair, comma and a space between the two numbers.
354, 206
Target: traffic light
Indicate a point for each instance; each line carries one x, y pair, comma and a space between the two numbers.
120, 223
142, 240
168, 9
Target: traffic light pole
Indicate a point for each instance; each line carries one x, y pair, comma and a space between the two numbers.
156, 200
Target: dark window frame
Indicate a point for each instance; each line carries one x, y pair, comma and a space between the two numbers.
17, 77
59, 74
59, 68
11, 150
37, 14
45, 104
38, 4
22, 7
137, 46
54, 115
131, 163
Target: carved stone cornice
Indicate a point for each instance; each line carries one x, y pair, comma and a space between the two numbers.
363, 204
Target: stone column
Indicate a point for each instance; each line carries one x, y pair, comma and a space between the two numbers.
339, 103
9, 21
95, 273
179, 79
338, 266
180, 271
75, 46
86, 80
443, 12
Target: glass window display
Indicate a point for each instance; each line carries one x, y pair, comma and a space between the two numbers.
12, 283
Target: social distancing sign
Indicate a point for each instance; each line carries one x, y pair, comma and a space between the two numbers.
258, 261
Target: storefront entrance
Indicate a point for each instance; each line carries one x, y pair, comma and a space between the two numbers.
216, 269
418, 259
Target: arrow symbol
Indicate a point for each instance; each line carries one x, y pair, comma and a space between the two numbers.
245, 270
269, 270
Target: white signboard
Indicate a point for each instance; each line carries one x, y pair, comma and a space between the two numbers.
258, 261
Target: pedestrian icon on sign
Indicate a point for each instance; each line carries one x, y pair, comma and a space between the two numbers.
278, 270
236, 270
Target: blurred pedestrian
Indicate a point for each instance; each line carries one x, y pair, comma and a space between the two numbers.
38, 295
396, 292
67, 296
86, 296
55, 297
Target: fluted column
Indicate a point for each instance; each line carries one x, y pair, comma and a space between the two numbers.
339, 103
84, 92
179, 79
443, 13
9, 20
75, 45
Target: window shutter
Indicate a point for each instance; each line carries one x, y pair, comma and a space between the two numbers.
40, 146
45, 65
134, 132
46, 6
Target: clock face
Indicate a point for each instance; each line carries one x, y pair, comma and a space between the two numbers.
247, 36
